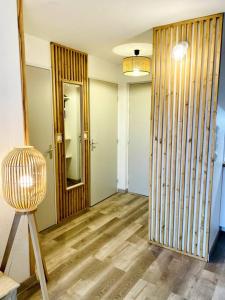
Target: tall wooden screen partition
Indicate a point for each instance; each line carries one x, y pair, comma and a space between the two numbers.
183, 123
69, 65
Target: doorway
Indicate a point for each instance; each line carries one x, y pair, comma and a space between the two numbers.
138, 147
103, 121
39, 92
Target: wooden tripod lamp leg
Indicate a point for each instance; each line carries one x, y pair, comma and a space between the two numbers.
37, 254
42, 256
10, 241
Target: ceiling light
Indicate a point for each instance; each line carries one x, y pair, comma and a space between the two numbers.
180, 50
136, 65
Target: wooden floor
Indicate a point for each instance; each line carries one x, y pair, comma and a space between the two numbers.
105, 254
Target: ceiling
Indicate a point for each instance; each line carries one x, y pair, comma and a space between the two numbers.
97, 26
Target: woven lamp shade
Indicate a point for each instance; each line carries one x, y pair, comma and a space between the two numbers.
24, 178
136, 65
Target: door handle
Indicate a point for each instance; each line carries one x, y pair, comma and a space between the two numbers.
92, 144
50, 151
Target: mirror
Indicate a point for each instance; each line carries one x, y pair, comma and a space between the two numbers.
73, 133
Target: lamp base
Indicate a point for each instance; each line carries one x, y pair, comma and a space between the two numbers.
26, 210
41, 266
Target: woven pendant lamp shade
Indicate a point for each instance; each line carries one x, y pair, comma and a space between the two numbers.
24, 178
136, 66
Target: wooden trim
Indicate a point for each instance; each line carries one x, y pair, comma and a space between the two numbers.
24, 99
23, 69
182, 135
67, 48
122, 191
38, 255
73, 82
26, 285
11, 238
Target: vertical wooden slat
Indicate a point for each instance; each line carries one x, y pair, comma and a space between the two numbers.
174, 140
195, 205
181, 157
204, 67
184, 135
179, 139
151, 142
155, 141
164, 141
212, 34
193, 43
198, 63
160, 130
169, 135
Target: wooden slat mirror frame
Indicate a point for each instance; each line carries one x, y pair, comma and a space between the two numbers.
69, 65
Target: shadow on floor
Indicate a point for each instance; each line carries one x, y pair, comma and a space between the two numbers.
218, 253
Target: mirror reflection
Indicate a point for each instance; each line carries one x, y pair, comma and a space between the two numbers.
73, 133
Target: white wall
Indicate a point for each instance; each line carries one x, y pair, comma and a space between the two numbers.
11, 132
222, 112
101, 69
38, 52
123, 136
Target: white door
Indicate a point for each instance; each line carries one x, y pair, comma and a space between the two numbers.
139, 131
103, 120
39, 92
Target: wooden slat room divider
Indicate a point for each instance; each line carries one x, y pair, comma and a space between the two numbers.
69, 64
183, 123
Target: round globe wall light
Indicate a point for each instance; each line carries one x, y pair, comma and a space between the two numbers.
180, 50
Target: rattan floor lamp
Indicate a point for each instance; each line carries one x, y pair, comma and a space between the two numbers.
24, 188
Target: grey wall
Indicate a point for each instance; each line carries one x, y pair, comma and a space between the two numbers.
218, 202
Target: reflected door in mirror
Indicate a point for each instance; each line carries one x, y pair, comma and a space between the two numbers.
73, 133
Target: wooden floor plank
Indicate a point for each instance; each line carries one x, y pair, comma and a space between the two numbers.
105, 254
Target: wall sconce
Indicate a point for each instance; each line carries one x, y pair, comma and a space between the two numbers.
180, 50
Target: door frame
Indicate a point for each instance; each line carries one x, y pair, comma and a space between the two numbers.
107, 82
53, 139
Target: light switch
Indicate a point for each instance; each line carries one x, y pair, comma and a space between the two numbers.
85, 135
59, 138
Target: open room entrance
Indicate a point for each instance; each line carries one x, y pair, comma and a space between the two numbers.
139, 144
